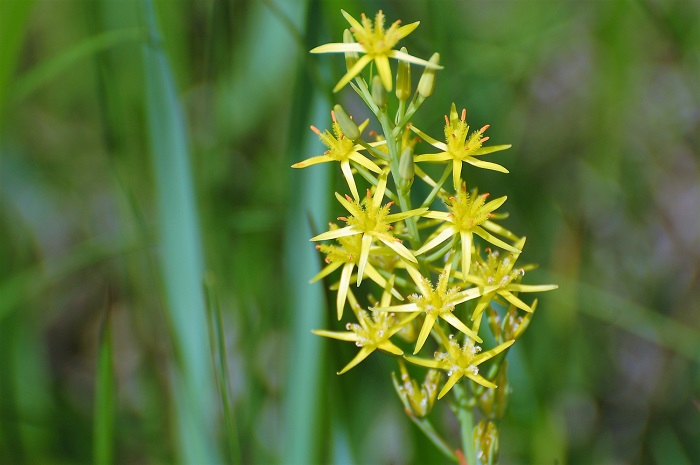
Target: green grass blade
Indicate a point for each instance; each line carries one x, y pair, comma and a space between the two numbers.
44, 72
13, 18
103, 439
180, 255
218, 348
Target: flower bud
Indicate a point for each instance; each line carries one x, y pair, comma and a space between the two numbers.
515, 325
403, 79
378, 92
347, 125
426, 85
486, 442
406, 169
494, 323
350, 57
418, 400
493, 402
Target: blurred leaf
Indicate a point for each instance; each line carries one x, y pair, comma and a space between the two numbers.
13, 18
105, 388
180, 257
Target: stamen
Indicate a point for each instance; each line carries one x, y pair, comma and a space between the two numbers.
464, 114
342, 218
447, 120
484, 128
369, 194
484, 140
315, 129
333, 116
390, 204
349, 199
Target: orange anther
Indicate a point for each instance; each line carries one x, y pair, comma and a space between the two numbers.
349, 199
447, 120
485, 128
315, 129
333, 116
484, 139
464, 114
390, 204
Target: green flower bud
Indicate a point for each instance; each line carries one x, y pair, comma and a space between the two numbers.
515, 325
350, 57
426, 85
378, 92
403, 79
406, 169
493, 402
495, 323
486, 442
347, 125
418, 400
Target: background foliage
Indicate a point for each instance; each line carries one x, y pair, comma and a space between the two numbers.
153, 239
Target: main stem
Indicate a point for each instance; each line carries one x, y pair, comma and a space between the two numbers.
465, 415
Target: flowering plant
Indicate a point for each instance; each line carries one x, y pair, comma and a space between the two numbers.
442, 267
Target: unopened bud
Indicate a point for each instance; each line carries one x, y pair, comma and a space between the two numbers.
403, 79
426, 85
493, 401
486, 442
378, 92
350, 57
495, 323
406, 169
419, 400
515, 325
347, 125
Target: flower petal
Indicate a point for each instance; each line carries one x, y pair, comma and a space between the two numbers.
403, 215
399, 55
389, 346
424, 332
457, 174
364, 161
434, 142
397, 308
403, 31
446, 233
347, 172
352, 72
481, 380
487, 236
491, 149
396, 245
340, 335
343, 288
451, 381
353, 22
338, 47
423, 362
330, 268
384, 70
361, 355
486, 165
457, 323
364, 255
514, 300
336, 233
482, 357
433, 157
312, 161
466, 252
532, 287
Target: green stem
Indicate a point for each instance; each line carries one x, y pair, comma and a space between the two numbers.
429, 199
465, 415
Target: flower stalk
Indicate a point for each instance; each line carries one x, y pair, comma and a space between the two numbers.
442, 267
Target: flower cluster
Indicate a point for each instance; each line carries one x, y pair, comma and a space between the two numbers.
442, 266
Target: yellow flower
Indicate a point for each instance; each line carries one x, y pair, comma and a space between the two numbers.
468, 215
438, 301
372, 221
372, 332
460, 361
460, 147
377, 45
502, 279
344, 150
347, 256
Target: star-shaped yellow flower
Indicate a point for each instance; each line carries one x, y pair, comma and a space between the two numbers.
500, 276
438, 301
372, 221
468, 215
347, 255
377, 45
372, 332
460, 361
460, 146
343, 150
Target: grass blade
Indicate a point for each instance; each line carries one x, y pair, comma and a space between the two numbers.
180, 255
103, 439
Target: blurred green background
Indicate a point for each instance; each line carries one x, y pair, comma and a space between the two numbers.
154, 261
